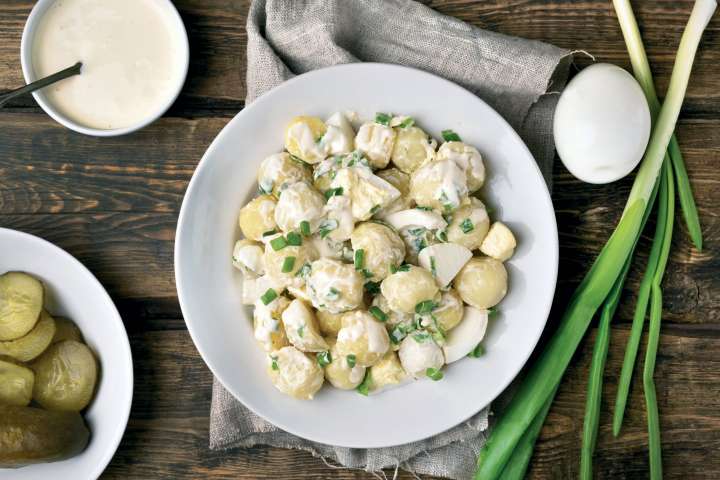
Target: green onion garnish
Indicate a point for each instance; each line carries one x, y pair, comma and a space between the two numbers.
407, 123
421, 337
268, 296
288, 264
364, 387
269, 232
303, 271
434, 374
301, 331
477, 352
372, 288
426, 306
278, 243
324, 358
331, 192
294, 239
367, 273
377, 313
467, 226
374, 209
274, 364
333, 294
433, 266
305, 228
382, 118
359, 258
397, 334
328, 226
450, 136
351, 360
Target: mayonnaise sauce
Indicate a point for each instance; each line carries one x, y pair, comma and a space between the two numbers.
131, 54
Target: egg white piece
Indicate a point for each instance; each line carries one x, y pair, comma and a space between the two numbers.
602, 124
462, 339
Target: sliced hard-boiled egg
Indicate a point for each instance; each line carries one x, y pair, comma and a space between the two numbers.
415, 217
444, 261
462, 339
601, 124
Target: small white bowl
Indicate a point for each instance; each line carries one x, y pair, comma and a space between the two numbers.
26, 48
73, 292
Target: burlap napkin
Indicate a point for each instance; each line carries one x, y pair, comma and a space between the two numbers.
289, 37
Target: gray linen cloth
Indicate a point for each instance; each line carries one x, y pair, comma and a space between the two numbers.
286, 38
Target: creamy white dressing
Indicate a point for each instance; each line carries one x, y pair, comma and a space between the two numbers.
265, 324
131, 54
249, 258
467, 158
299, 202
334, 286
376, 142
339, 137
339, 208
307, 144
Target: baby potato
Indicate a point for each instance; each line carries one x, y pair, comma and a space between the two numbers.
279, 171
468, 159
413, 149
448, 313
340, 136
258, 217
394, 317
469, 225
401, 181
21, 299
283, 265
301, 328
387, 372
16, 384
482, 283
362, 338
34, 343
376, 142
415, 239
326, 247
419, 352
339, 214
407, 287
65, 376
247, 257
368, 193
440, 185
299, 202
499, 242
329, 323
66, 329
295, 373
334, 286
267, 325
302, 138
339, 373
377, 247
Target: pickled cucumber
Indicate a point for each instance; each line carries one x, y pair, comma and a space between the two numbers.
21, 299
16, 384
34, 343
65, 376
66, 329
31, 435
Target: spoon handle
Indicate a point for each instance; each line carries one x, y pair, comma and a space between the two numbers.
43, 82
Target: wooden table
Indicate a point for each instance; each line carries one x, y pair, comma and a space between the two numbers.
113, 203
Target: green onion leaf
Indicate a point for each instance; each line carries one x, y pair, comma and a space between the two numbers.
377, 313
407, 123
467, 226
373, 288
397, 334
364, 387
450, 136
294, 239
382, 118
434, 373
288, 264
424, 307
301, 331
274, 364
324, 358
477, 352
359, 258
433, 266
421, 337
350, 359
333, 294
367, 273
268, 296
374, 209
278, 243
331, 192
303, 271
305, 228
328, 226
269, 232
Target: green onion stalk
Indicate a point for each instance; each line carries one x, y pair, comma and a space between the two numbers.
545, 375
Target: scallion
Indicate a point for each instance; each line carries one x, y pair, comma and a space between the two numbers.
268, 296
351, 360
294, 239
364, 387
324, 358
278, 243
377, 313
305, 228
359, 259
467, 226
450, 136
382, 118
288, 264
434, 374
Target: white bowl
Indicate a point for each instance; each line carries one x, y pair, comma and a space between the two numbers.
209, 287
26, 48
73, 292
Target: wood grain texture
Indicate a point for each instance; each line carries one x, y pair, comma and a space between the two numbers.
113, 203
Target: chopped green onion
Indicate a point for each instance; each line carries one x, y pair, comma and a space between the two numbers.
421, 337
305, 228
350, 359
294, 239
426, 306
407, 123
382, 118
269, 232
364, 387
303, 271
278, 243
324, 358
274, 364
477, 352
377, 313
450, 136
268, 296
397, 334
442, 235
433, 266
265, 186
467, 226
374, 209
401, 268
492, 311
434, 374
367, 273
288, 264
331, 192
359, 258
424, 209
333, 294
328, 226
372, 288
301, 331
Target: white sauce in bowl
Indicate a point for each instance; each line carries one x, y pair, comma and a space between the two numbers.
132, 54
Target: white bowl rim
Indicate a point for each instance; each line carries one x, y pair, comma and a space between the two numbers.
123, 415
29, 74
259, 104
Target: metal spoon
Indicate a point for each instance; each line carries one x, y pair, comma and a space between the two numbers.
43, 82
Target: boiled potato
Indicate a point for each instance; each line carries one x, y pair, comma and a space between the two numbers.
21, 299
381, 248
302, 329
394, 317
376, 142
34, 343
469, 226
413, 148
468, 159
482, 283
267, 323
340, 217
334, 286
499, 242
340, 136
65, 376
16, 384
283, 265
449, 311
32, 435
247, 257
440, 185
415, 239
401, 181
368, 193
387, 372
279, 171
295, 373
329, 323
258, 217
363, 338
339, 373
66, 329
407, 287
303, 139
418, 352
299, 202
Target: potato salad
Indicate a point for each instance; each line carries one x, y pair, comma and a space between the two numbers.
368, 256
